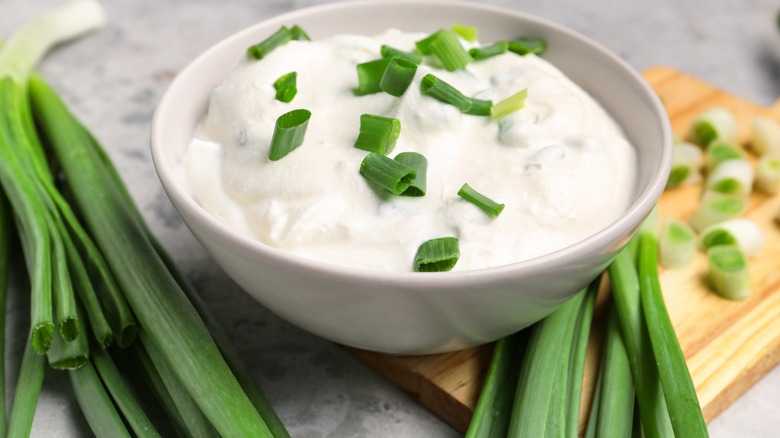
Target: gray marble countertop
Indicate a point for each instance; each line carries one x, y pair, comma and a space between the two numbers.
113, 79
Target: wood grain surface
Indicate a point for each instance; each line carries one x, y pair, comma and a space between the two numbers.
728, 345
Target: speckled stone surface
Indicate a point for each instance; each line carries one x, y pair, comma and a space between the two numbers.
113, 79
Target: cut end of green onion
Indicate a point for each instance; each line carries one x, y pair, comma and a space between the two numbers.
286, 87
378, 134
420, 165
127, 336
486, 204
677, 244
297, 33
484, 52
263, 48
742, 232
729, 276
449, 51
527, 45
768, 174
765, 137
437, 255
678, 175
69, 329
370, 76
732, 177
509, 105
424, 45
390, 52
717, 123
718, 152
288, 133
468, 33
42, 335
387, 173
480, 107
434, 87
397, 77
715, 208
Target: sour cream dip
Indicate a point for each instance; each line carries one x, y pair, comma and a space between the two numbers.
561, 165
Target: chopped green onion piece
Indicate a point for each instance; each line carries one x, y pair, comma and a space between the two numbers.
288, 133
378, 134
432, 86
717, 123
480, 107
484, 52
509, 105
297, 33
370, 76
718, 152
677, 244
742, 232
390, 52
263, 48
526, 45
286, 87
715, 208
437, 255
420, 165
468, 33
728, 272
732, 177
387, 173
483, 202
424, 45
686, 162
768, 174
397, 77
765, 137
449, 51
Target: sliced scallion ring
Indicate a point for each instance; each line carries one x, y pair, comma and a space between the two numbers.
728, 272
286, 87
390, 52
297, 33
263, 48
768, 174
378, 134
420, 165
677, 244
765, 137
486, 204
437, 255
397, 77
509, 105
391, 175
717, 123
449, 51
742, 232
732, 177
715, 208
288, 133
526, 45
718, 152
468, 33
489, 51
370, 76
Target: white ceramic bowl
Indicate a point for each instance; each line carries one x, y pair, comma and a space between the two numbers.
412, 313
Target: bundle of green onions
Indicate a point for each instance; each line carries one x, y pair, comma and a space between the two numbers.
546, 379
98, 277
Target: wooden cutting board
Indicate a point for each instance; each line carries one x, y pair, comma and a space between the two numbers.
728, 345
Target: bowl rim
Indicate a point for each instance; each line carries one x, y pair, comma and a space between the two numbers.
605, 237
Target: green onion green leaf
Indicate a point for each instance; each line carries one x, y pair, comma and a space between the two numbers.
391, 175
449, 51
288, 133
397, 77
432, 86
525, 45
378, 134
390, 52
509, 105
420, 165
297, 33
424, 45
468, 33
370, 76
489, 51
483, 202
263, 48
437, 255
480, 107
286, 87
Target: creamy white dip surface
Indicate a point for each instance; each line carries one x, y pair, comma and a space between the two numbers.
561, 166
